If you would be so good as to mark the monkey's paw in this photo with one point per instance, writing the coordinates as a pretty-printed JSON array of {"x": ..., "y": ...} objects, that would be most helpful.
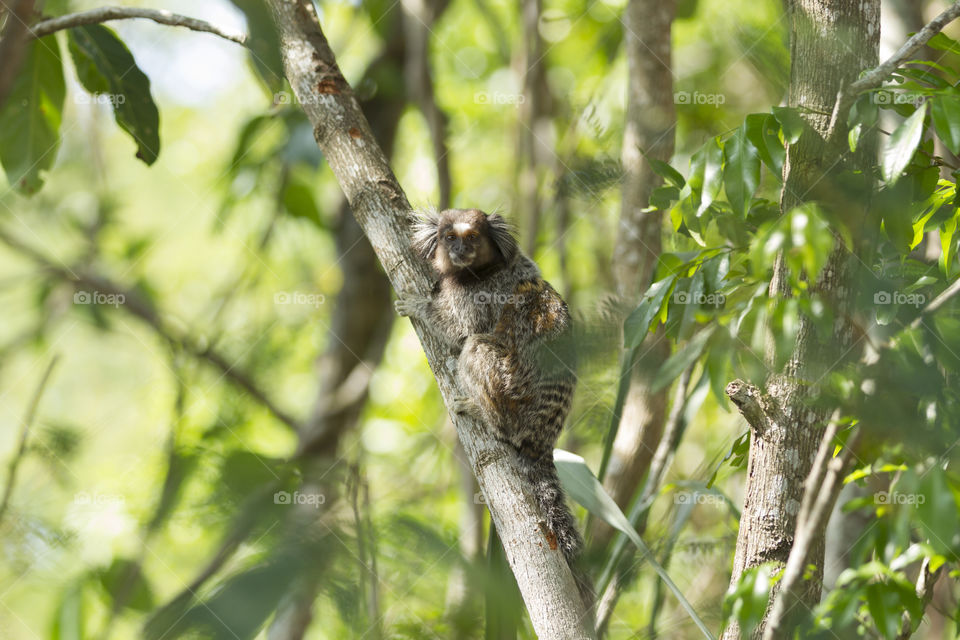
[
  {"x": 463, "y": 405},
  {"x": 410, "y": 304}
]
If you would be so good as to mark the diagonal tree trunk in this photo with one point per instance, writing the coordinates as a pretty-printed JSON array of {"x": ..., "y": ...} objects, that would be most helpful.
[
  {"x": 382, "y": 209},
  {"x": 831, "y": 43}
]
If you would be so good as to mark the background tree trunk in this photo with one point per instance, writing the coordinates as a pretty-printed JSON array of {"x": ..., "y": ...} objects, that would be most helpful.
[
  {"x": 649, "y": 129},
  {"x": 830, "y": 45}
]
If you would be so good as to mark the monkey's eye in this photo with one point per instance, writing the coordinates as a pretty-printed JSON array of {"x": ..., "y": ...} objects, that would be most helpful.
[
  {"x": 451, "y": 237},
  {"x": 473, "y": 235}
]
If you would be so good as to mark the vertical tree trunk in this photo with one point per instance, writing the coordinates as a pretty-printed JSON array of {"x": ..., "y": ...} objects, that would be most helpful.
[
  {"x": 831, "y": 43},
  {"x": 649, "y": 129},
  {"x": 534, "y": 123}
]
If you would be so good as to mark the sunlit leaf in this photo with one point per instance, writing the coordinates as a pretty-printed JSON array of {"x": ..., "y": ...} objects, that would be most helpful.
[
  {"x": 741, "y": 172},
  {"x": 30, "y": 117},
  {"x": 945, "y": 111},
  {"x": 638, "y": 322},
  {"x": 581, "y": 485},
  {"x": 791, "y": 123},
  {"x": 69, "y": 618},
  {"x": 706, "y": 174},
  {"x": 901, "y": 145}
]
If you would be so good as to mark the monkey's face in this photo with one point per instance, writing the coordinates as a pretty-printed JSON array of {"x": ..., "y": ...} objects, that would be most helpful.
[
  {"x": 462, "y": 243},
  {"x": 464, "y": 240}
]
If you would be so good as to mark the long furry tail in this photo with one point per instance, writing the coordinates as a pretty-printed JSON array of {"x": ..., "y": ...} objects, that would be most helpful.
[
  {"x": 553, "y": 504},
  {"x": 560, "y": 520}
]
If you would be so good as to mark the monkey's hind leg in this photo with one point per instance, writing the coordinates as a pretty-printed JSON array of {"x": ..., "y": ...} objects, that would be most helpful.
[{"x": 486, "y": 367}]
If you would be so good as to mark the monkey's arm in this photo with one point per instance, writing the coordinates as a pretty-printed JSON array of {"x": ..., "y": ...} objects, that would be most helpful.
[
  {"x": 413, "y": 306},
  {"x": 425, "y": 308}
]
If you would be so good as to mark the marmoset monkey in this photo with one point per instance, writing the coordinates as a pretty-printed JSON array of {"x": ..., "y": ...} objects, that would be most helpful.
[{"x": 503, "y": 320}]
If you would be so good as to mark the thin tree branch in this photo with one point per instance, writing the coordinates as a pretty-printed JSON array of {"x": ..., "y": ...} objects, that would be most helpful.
[
  {"x": 24, "y": 431},
  {"x": 381, "y": 208},
  {"x": 106, "y": 14},
  {"x": 926, "y": 580},
  {"x": 937, "y": 302},
  {"x": 137, "y": 306},
  {"x": 875, "y": 77}
]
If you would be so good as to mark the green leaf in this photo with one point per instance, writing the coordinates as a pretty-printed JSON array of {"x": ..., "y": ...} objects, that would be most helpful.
[
  {"x": 946, "y": 242},
  {"x": 683, "y": 358},
  {"x": 942, "y": 42},
  {"x": 864, "y": 111},
  {"x": 581, "y": 485},
  {"x": 901, "y": 145},
  {"x": 638, "y": 322},
  {"x": 666, "y": 172},
  {"x": 242, "y": 603},
  {"x": 937, "y": 512},
  {"x": 68, "y": 623},
  {"x": 263, "y": 43},
  {"x": 791, "y": 123},
  {"x": 945, "y": 110},
  {"x": 747, "y": 600},
  {"x": 30, "y": 118},
  {"x": 741, "y": 174},
  {"x": 853, "y": 136},
  {"x": 299, "y": 202},
  {"x": 898, "y": 228},
  {"x": 762, "y": 130},
  {"x": 706, "y": 174},
  {"x": 125, "y": 583},
  {"x": 105, "y": 65},
  {"x": 663, "y": 197},
  {"x": 249, "y": 134},
  {"x": 692, "y": 303}
]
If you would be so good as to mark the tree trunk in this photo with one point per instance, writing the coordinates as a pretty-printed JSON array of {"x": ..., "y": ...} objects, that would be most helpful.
[
  {"x": 533, "y": 129},
  {"x": 649, "y": 129},
  {"x": 831, "y": 43},
  {"x": 382, "y": 209}
]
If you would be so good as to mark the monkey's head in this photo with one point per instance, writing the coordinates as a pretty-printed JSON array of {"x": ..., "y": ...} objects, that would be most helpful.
[{"x": 464, "y": 240}]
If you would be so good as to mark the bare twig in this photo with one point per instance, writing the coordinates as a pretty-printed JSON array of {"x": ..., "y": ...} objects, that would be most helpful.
[
  {"x": 106, "y": 14},
  {"x": 925, "y": 583},
  {"x": 937, "y": 302},
  {"x": 875, "y": 77},
  {"x": 24, "y": 431}
]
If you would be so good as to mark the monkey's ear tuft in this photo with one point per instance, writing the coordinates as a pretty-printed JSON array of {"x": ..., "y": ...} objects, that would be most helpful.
[
  {"x": 502, "y": 235},
  {"x": 424, "y": 236}
]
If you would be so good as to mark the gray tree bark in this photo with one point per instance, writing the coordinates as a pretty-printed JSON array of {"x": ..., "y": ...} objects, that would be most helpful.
[
  {"x": 649, "y": 128},
  {"x": 382, "y": 210},
  {"x": 831, "y": 43}
]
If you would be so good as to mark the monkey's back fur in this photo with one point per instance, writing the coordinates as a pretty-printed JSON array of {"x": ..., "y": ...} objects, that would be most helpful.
[{"x": 509, "y": 330}]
